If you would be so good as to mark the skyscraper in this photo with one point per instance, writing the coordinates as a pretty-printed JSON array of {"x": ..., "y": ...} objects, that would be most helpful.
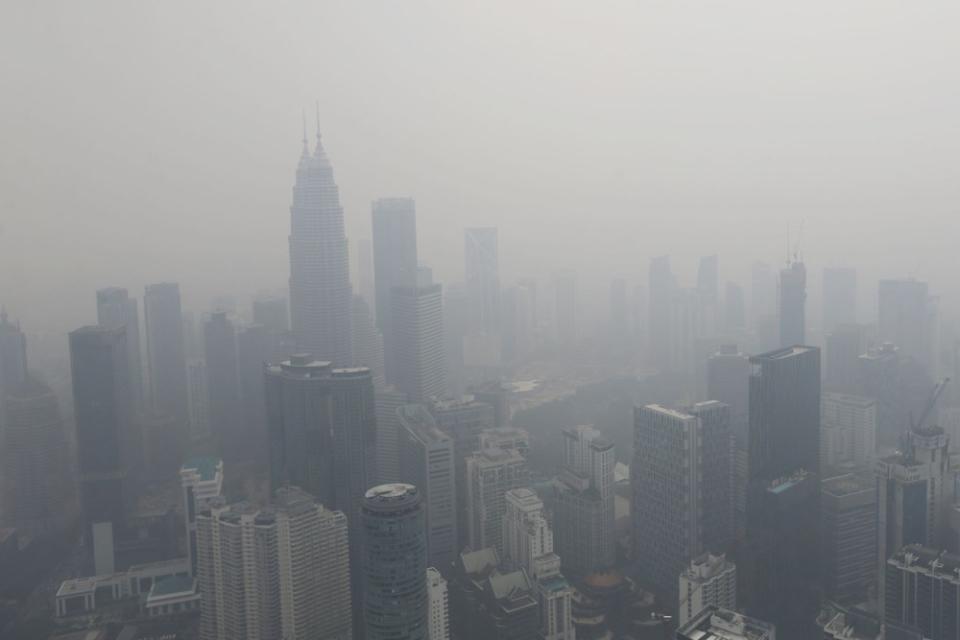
[
  {"x": 922, "y": 587},
  {"x": 427, "y": 461},
  {"x": 845, "y": 343},
  {"x": 394, "y": 226},
  {"x": 320, "y": 423},
  {"x": 839, "y": 297},
  {"x": 681, "y": 490},
  {"x": 483, "y": 279},
  {"x": 254, "y": 350},
  {"x": 223, "y": 381},
  {"x": 320, "y": 291},
  {"x": 584, "y": 502},
  {"x": 907, "y": 318},
  {"x": 13, "y": 356},
  {"x": 849, "y": 504},
  {"x": 848, "y": 430},
  {"x": 565, "y": 285},
  {"x": 734, "y": 309},
  {"x": 201, "y": 480},
  {"x": 116, "y": 309},
  {"x": 34, "y": 483},
  {"x": 490, "y": 473},
  {"x": 395, "y": 600},
  {"x": 793, "y": 299},
  {"x": 103, "y": 412},
  {"x": 273, "y": 574},
  {"x": 367, "y": 342},
  {"x": 270, "y": 311},
  {"x": 914, "y": 490},
  {"x": 783, "y": 506},
  {"x": 166, "y": 361},
  {"x": 417, "y": 327},
  {"x": 728, "y": 381}
]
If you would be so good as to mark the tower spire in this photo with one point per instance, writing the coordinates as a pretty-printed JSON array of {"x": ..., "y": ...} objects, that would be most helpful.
[{"x": 303, "y": 114}]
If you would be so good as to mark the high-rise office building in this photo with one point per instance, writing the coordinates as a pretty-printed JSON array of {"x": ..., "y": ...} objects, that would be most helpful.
[
  {"x": 708, "y": 580},
  {"x": 714, "y": 623},
  {"x": 506, "y": 438},
  {"x": 923, "y": 590},
  {"x": 254, "y": 351},
  {"x": 528, "y": 545},
  {"x": 439, "y": 615},
  {"x": 386, "y": 402},
  {"x": 320, "y": 291},
  {"x": 395, "y": 599},
  {"x": 914, "y": 490},
  {"x": 682, "y": 501},
  {"x": 13, "y": 356},
  {"x": 198, "y": 401},
  {"x": 275, "y": 573},
  {"x": 907, "y": 318},
  {"x": 845, "y": 343},
  {"x": 320, "y": 423},
  {"x": 490, "y": 473},
  {"x": 223, "y": 381},
  {"x": 463, "y": 418},
  {"x": 519, "y": 323},
  {"x": 728, "y": 381},
  {"x": 34, "y": 483},
  {"x": 367, "y": 342},
  {"x": 201, "y": 480},
  {"x": 734, "y": 309},
  {"x": 848, "y": 430},
  {"x": 427, "y": 462},
  {"x": 784, "y": 489},
  {"x": 482, "y": 279},
  {"x": 793, "y": 300},
  {"x": 661, "y": 291},
  {"x": 166, "y": 359},
  {"x": 394, "y": 226},
  {"x": 839, "y": 297},
  {"x": 106, "y": 441},
  {"x": 417, "y": 325},
  {"x": 849, "y": 507},
  {"x": 366, "y": 282},
  {"x": 116, "y": 309},
  {"x": 584, "y": 502}
]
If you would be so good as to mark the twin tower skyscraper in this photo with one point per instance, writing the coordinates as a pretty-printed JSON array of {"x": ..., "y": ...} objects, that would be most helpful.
[{"x": 320, "y": 292}]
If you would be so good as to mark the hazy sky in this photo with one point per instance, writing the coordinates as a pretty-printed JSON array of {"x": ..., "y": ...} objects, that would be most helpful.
[{"x": 147, "y": 141}]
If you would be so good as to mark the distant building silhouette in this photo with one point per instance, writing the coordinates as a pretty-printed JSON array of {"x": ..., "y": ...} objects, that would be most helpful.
[
  {"x": 839, "y": 298},
  {"x": 793, "y": 300},
  {"x": 116, "y": 309},
  {"x": 166, "y": 358}
]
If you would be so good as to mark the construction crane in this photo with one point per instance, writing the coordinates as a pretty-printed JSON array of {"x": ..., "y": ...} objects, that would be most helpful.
[{"x": 937, "y": 391}]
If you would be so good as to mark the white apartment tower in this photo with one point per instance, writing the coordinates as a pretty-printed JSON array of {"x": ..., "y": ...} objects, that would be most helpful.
[
  {"x": 273, "y": 574},
  {"x": 490, "y": 474},
  {"x": 439, "y": 615},
  {"x": 709, "y": 580}
]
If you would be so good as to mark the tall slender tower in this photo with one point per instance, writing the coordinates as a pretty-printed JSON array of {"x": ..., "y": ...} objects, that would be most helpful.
[
  {"x": 166, "y": 359},
  {"x": 320, "y": 294},
  {"x": 115, "y": 308}
]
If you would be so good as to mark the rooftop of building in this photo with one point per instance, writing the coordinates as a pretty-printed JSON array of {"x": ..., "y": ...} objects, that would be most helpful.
[
  {"x": 206, "y": 466},
  {"x": 850, "y": 399},
  {"x": 305, "y": 366},
  {"x": 714, "y": 623},
  {"x": 782, "y": 354},
  {"x": 667, "y": 411},
  {"x": 509, "y": 585},
  {"x": 479, "y": 562},
  {"x": 786, "y": 482},
  {"x": 387, "y": 497},
  {"x": 172, "y": 585},
  {"x": 491, "y": 456},
  {"x": 934, "y": 561},
  {"x": 418, "y": 419},
  {"x": 849, "y": 484}
]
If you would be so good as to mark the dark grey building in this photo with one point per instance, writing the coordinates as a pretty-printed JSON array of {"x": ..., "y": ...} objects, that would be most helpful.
[
  {"x": 395, "y": 603},
  {"x": 103, "y": 411},
  {"x": 320, "y": 290},
  {"x": 784, "y": 490},
  {"x": 394, "y": 228},
  {"x": 728, "y": 381},
  {"x": 115, "y": 308},
  {"x": 166, "y": 361},
  {"x": 793, "y": 300},
  {"x": 845, "y": 343},
  {"x": 849, "y": 508},
  {"x": 254, "y": 350},
  {"x": 13, "y": 356},
  {"x": 839, "y": 298},
  {"x": 223, "y": 382},
  {"x": 320, "y": 423},
  {"x": 923, "y": 590},
  {"x": 714, "y": 623}
]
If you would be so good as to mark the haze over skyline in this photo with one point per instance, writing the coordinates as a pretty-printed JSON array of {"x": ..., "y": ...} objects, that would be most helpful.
[{"x": 157, "y": 142}]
